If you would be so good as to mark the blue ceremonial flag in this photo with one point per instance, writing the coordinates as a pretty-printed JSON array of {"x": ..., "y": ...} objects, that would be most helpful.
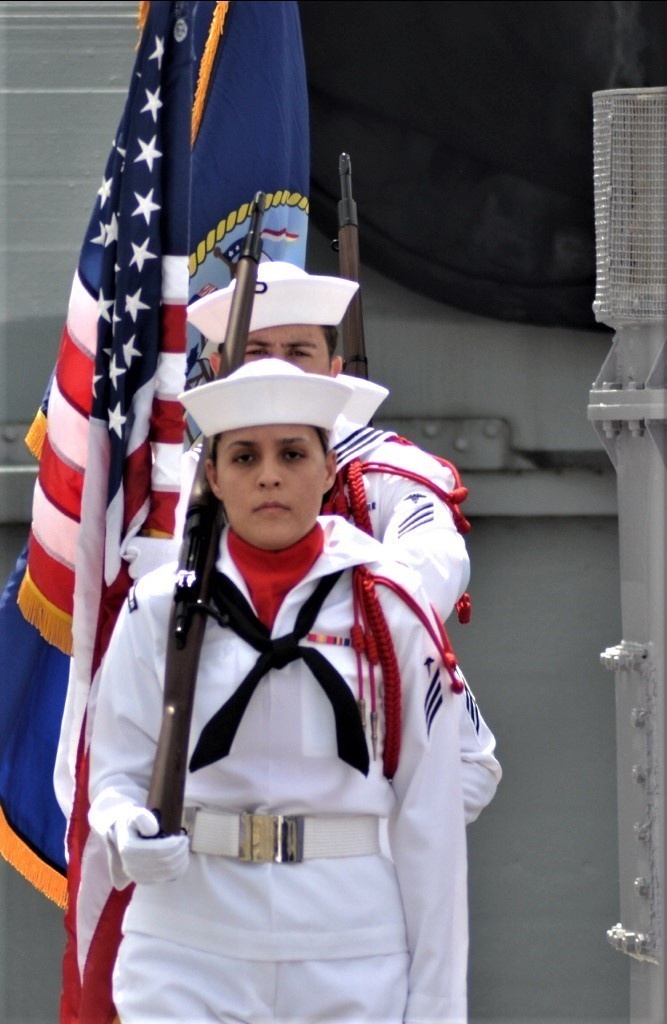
[
  {"x": 251, "y": 133},
  {"x": 32, "y": 826}
]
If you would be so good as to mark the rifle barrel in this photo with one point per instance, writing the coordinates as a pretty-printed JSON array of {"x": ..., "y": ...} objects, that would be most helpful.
[{"x": 355, "y": 362}]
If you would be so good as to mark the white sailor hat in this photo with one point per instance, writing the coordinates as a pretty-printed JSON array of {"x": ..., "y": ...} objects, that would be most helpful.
[
  {"x": 285, "y": 294},
  {"x": 266, "y": 392},
  {"x": 366, "y": 398}
]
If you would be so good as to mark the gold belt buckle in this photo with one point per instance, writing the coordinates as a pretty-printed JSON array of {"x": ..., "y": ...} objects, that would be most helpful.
[{"x": 264, "y": 838}]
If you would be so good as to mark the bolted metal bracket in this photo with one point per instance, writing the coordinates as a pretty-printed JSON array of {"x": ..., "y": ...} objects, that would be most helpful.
[
  {"x": 481, "y": 443},
  {"x": 624, "y": 656},
  {"x": 635, "y": 944},
  {"x": 640, "y": 786}
]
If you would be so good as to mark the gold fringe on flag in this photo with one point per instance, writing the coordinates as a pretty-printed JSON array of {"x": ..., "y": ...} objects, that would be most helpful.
[
  {"x": 142, "y": 15},
  {"x": 36, "y": 435},
  {"x": 18, "y": 854},
  {"x": 53, "y": 624},
  {"x": 206, "y": 66}
]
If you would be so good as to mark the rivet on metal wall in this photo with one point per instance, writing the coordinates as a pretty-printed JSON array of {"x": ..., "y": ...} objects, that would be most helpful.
[
  {"x": 641, "y": 831},
  {"x": 639, "y": 717},
  {"x": 642, "y": 886}
]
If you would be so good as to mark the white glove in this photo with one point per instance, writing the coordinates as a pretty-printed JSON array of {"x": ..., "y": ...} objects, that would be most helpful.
[{"x": 145, "y": 859}]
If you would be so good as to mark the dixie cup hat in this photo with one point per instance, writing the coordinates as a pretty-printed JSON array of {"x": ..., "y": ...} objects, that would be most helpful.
[
  {"x": 264, "y": 393},
  {"x": 366, "y": 398},
  {"x": 285, "y": 294}
]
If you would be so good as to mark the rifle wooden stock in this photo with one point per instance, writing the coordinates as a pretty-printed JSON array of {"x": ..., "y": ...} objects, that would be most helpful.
[
  {"x": 355, "y": 362},
  {"x": 186, "y": 633},
  {"x": 187, "y": 621}
]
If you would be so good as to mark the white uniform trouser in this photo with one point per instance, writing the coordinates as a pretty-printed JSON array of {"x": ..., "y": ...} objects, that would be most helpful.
[{"x": 156, "y": 980}]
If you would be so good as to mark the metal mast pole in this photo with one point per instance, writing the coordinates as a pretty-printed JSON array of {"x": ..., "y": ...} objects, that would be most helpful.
[{"x": 627, "y": 407}]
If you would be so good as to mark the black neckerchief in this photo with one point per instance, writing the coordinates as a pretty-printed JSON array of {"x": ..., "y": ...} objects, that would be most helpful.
[{"x": 218, "y": 734}]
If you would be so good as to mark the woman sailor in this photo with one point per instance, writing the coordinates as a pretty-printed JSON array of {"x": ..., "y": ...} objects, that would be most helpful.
[{"x": 322, "y": 710}]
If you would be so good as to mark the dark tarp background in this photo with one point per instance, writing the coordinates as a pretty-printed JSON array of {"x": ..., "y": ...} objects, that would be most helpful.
[{"x": 470, "y": 131}]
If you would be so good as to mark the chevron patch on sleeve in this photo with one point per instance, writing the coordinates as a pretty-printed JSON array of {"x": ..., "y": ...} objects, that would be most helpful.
[
  {"x": 471, "y": 707},
  {"x": 433, "y": 699},
  {"x": 422, "y": 514}
]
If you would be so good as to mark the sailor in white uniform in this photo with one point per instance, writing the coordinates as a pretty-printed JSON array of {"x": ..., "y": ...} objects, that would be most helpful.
[
  {"x": 406, "y": 492},
  {"x": 323, "y": 707}
]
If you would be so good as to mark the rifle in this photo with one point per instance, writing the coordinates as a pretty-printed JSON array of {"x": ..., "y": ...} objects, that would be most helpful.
[
  {"x": 203, "y": 523},
  {"x": 355, "y": 362}
]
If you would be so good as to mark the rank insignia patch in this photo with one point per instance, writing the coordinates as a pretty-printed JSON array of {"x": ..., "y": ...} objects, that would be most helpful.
[{"x": 433, "y": 699}]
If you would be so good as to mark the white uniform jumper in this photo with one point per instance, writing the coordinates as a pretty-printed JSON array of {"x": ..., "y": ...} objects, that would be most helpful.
[
  {"x": 416, "y": 526},
  {"x": 407, "y": 515},
  {"x": 336, "y": 910}
]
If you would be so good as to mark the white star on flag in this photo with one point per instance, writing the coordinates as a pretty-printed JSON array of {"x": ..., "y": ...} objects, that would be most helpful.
[
  {"x": 101, "y": 238},
  {"x": 103, "y": 307},
  {"x": 153, "y": 103},
  {"x": 145, "y": 206},
  {"x": 133, "y": 304},
  {"x": 111, "y": 231},
  {"x": 141, "y": 254},
  {"x": 104, "y": 191},
  {"x": 158, "y": 52},
  {"x": 148, "y": 152},
  {"x": 117, "y": 420},
  {"x": 115, "y": 371},
  {"x": 129, "y": 351}
]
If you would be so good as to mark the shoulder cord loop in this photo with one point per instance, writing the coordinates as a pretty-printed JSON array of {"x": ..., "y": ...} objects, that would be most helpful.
[
  {"x": 437, "y": 632},
  {"x": 348, "y": 499},
  {"x": 370, "y": 634},
  {"x": 373, "y": 637}
]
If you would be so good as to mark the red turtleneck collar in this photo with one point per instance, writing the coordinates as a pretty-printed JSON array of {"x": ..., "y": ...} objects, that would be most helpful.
[{"x": 270, "y": 575}]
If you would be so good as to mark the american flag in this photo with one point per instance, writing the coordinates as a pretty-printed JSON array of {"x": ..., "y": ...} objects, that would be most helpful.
[{"x": 127, "y": 314}]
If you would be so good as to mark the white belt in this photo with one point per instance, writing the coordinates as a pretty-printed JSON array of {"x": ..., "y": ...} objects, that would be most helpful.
[{"x": 282, "y": 838}]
